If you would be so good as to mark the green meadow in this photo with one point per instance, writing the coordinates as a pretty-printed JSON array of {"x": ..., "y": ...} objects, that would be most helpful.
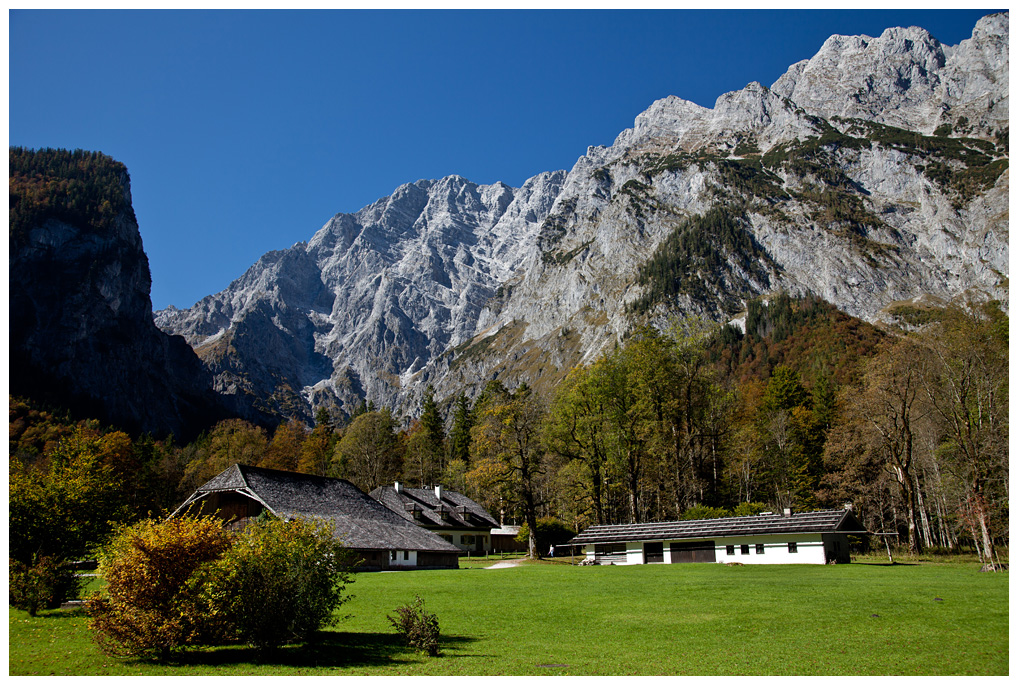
[{"x": 558, "y": 619}]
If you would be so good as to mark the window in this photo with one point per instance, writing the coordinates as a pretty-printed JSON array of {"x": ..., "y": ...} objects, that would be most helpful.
[
  {"x": 760, "y": 549},
  {"x": 730, "y": 550},
  {"x": 392, "y": 555},
  {"x": 744, "y": 549},
  {"x": 447, "y": 537},
  {"x": 406, "y": 554},
  {"x": 610, "y": 552},
  {"x": 792, "y": 546},
  {"x": 467, "y": 540}
]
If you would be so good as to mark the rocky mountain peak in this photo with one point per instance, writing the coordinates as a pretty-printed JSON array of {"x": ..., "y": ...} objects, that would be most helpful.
[
  {"x": 804, "y": 187},
  {"x": 904, "y": 77}
]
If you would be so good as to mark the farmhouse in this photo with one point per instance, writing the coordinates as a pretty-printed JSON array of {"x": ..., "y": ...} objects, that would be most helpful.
[
  {"x": 787, "y": 538},
  {"x": 380, "y": 537},
  {"x": 453, "y": 516}
]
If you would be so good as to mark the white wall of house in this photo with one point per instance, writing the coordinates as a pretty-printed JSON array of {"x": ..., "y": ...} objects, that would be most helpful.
[
  {"x": 403, "y": 558},
  {"x": 809, "y": 549}
]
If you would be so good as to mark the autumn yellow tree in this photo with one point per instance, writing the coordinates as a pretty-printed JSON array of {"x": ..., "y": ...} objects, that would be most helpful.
[{"x": 508, "y": 452}]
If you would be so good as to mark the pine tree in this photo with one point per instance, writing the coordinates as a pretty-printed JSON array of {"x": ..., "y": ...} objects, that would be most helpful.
[
  {"x": 460, "y": 435},
  {"x": 435, "y": 435}
]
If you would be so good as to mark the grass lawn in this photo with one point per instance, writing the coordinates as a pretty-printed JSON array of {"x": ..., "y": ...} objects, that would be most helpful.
[{"x": 556, "y": 619}]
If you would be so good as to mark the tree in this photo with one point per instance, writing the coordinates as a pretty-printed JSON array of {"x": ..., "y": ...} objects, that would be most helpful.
[
  {"x": 891, "y": 410},
  {"x": 551, "y": 532},
  {"x": 231, "y": 441},
  {"x": 460, "y": 435},
  {"x": 791, "y": 442},
  {"x": 577, "y": 427},
  {"x": 967, "y": 387},
  {"x": 316, "y": 451},
  {"x": 367, "y": 454},
  {"x": 700, "y": 413},
  {"x": 418, "y": 465},
  {"x": 435, "y": 436},
  {"x": 63, "y": 507},
  {"x": 508, "y": 452},
  {"x": 284, "y": 450}
]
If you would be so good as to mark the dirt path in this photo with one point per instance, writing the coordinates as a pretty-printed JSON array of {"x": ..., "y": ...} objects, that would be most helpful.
[{"x": 506, "y": 565}]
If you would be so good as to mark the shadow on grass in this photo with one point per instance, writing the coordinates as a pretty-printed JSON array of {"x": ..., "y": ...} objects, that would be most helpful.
[{"x": 325, "y": 649}]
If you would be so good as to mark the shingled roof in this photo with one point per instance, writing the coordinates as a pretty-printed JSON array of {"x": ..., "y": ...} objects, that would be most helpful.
[
  {"x": 826, "y": 521},
  {"x": 358, "y": 520},
  {"x": 461, "y": 512}
]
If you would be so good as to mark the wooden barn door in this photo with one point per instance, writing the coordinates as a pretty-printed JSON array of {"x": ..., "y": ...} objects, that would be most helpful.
[
  {"x": 697, "y": 551},
  {"x": 653, "y": 552}
]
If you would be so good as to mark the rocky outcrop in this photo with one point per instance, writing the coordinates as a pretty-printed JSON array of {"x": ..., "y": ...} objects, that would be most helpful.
[
  {"x": 82, "y": 335},
  {"x": 874, "y": 172},
  {"x": 906, "y": 78},
  {"x": 371, "y": 299}
]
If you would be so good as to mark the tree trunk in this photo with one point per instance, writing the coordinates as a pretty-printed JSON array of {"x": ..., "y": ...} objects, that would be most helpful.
[
  {"x": 985, "y": 534},
  {"x": 596, "y": 488}
]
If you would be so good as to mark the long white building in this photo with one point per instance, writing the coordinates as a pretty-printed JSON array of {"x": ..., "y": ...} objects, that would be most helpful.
[{"x": 787, "y": 538}]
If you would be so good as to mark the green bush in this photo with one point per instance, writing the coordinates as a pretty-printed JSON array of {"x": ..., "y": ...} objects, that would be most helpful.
[
  {"x": 749, "y": 509},
  {"x": 186, "y": 582},
  {"x": 280, "y": 581},
  {"x": 44, "y": 585},
  {"x": 550, "y": 532},
  {"x": 154, "y": 575},
  {"x": 705, "y": 512},
  {"x": 419, "y": 628}
]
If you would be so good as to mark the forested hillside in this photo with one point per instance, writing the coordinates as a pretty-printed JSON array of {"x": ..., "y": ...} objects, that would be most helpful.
[{"x": 808, "y": 409}]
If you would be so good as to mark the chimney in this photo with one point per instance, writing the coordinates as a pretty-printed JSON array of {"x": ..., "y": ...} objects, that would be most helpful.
[
  {"x": 438, "y": 493},
  {"x": 787, "y": 512},
  {"x": 397, "y": 486}
]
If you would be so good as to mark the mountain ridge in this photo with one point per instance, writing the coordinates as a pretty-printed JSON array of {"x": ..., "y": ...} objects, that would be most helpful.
[{"x": 451, "y": 283}]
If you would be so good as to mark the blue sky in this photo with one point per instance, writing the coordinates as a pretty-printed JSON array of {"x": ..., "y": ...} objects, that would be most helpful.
[{"x": 245, "y": 131}]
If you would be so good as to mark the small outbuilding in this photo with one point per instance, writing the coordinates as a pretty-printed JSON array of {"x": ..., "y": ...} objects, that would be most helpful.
[
  {"x": 379, "y": 536},
  {"x": 451, "y": 515},
  {"x": 504, "y": 540},
  {"x": 787, "y": 538}
]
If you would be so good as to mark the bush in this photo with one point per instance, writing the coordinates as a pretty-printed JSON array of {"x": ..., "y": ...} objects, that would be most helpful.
[
  {"x": 749, "y": 509},
  {"x": 550, "y": 532},
  {"x": 704, "y": 512},
  {"x": 153, "y": 602},
  {"x": 187, "y": 581},
  {"x": 46, "y": 584},
  {"x": 419, "y": 628},
  {"x": 280, "y": 581}
]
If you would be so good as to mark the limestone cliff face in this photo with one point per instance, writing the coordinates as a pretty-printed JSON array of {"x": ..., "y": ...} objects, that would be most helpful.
[
  {"x": 82, "y": 335},
  {"x": 874, "y": 172},
  {"x": 363, "y": 307},
  {"x": 906, "y": 78}
]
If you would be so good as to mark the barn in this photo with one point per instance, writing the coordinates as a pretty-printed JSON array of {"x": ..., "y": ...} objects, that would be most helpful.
[
  {"x": 451, "y": 515},
  {"x": 801, "y": 538},
  {"x": 380, "y": 537}
]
